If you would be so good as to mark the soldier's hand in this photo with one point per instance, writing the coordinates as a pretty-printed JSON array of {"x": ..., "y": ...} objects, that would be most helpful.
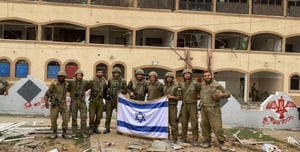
[
  {"x": 5, "y": 93},
  {"x": 53, "y": 82},
  {"x": 131, "y": 94},
  {"x": 47, "y": 105}
]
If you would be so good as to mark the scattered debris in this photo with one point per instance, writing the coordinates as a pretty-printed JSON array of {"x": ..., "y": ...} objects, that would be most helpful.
[
  {"x": 270, "y": 148},
  {"x": 90, "y": 148},
  {"x": 293, "y": 141},
  {"x": 137, "y": 144},
  {"x": 29, "y": 145},
  {"x": 158, "y": 145},
  {"x": 247, "y": 142}
]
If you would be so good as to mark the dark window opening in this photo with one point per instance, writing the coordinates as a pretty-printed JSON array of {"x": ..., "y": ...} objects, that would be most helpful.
[
  {"x": 52, "y": 69},
  {"x": 18, "y": 30},
  {"x": 295, "y": 82},
  {"x": 21, "y": 69},
  {"x": 4, "y": 68},
  {"x": 111, "y": 35}
]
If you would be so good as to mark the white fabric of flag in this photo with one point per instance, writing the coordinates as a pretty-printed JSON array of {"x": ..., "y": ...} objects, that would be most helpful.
[{"x": 146, "y": 119}]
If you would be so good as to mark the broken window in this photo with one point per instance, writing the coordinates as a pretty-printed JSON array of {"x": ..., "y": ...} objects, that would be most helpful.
[
  {"x": 292, "y": 44},
  {"x": 123, "y": 3},
  {"x": 63, "y": 32},
  {"x": 267, "y": 7},
  {"x": 266, "y": 42},
  {"x": 294, "y": 82},
  {"x": 194, "y": 39},
  {"x": 71, "y": 68},
  {"x": 158, "y": 4},
  {"x": 231, "y": 40},
  {"x": 104, "y": 68},
  {"x": 122, "y": 69},
  {"x": 233, "y": 6},
  {"x": 197, "y": 5},
  {"x": 154, "y": 37},
  {"x": 293, "y": 8},
  {"x": 21, "y": 69},
  {"x": 110, "y": 35},
  {"x": 4, "y": 68},
  {"x": 52, "y": 69},
  {"x": 68, "y": 1},
  {"x": 14, "y": 29}
]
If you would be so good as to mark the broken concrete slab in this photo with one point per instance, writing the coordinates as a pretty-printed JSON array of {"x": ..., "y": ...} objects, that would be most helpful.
[{"x": 158, "y": 146}]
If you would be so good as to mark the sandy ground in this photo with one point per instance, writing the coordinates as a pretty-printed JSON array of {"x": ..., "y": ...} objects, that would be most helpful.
[{"x": 114, "y": 142}]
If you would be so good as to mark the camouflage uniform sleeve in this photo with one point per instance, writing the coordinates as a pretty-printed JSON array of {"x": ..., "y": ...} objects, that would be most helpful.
[
  {"x": 222, "y": 89},
  {"x": 130, "y": 87},
  {"x": 124, "y": 87},
  {"x": 48, "y": 93}
]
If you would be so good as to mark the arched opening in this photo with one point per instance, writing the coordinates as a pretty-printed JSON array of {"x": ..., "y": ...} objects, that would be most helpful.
[
  {"x": 71, "y": 68},
  {"x": 18, "y": 30},
  {"x": 194, "y": 39},
  {"x": 52, "y": 69},
  {"x": 104, "y": 68},
  {"x": 266, "y": 42},
  {"x": 154, "y": 37},
  {"x": 294, "y": 82},
  {"x": 121, "y": 66},
  {"x": 292, "y": 44},
  {"x": 21, "y": 69},
  {"x": 231, "y": 40},
  {"x": 4, "y": 68}
]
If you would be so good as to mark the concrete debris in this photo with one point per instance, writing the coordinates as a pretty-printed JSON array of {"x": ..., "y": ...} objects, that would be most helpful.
[
  {"x": 293, "y": 141},
  {"x": 270, "y": 148},
  {"x": 158, "y": 145},
  {"x": 54, "y": 150},
  {"x": 177, "y": 147},
  {"x": 28, "y": 145},
  {"x": 88, "y": 149},
  {"x": 16, "y": 139},
  {"x": 137, "y": 145}
]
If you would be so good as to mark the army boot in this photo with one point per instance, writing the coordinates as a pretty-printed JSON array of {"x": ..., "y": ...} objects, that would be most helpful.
[
  {"x": 195, "y": 143},
  {"x": 91, "y": 131},
  {"x": 106, "y": 131},
  {"x": 54, "y": 134},
  {"x": 222, "y": 146},
  {"x": 96, "y": 130},
  {"x": 64, "y": 134},
  {"x": 206, "y": 145}
]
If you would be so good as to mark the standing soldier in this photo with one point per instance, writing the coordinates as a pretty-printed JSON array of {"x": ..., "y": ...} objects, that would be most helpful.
[
  {"x": 3, "y": 87},
  {"x": 155, "y": 88},
  {"x": 190, "y": 90},
  {"x": 137, "y": 87},
  {"x": 211, "y": 94},
  {"x": 171, "y": 90},
  {"x": 57, "y": 95},
  {"x": 78, "y": 88},
  {"x": 96, "y": 101},
  {"x": 115, "y": 86}
]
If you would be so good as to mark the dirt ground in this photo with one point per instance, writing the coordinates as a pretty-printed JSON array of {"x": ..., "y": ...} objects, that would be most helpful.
[{"x": 115, "y": 142}]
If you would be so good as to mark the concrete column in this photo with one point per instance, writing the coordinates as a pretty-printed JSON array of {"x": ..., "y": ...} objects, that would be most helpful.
[
  {"x": 87, "y": 35},
  {"x": 250, "y": 6},
  {"x": 135, "y": 3},
  {"x": 39, "y": 33},
  {"x": 247, "y": 87},
  {"x": 285, "y": 5},
  {"x": 175, "y": 40},
  {"x": 283, "y": 43},
  {"x": 213, "y": 39},
  {"x": 88, "y": 2},
  {"x": 176, "y": 7},
  {"x": 133, "y": 38},
  {"x": 214, "y": 5}
]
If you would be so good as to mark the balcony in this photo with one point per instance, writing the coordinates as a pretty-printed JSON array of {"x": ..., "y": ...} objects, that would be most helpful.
[
  {"x": 233, "y": 7},
  {"x": 267, "y": 7},
  {"x": 122, "y": 3}
]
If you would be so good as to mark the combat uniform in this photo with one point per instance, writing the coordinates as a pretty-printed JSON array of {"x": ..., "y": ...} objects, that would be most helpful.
[
  {"x": 3, "y": 86},
  {"x": 211, "y": 119},
  {"x": 138, "y": 88},
  {"x": 173, "y": 90},
  {"x": 114, "y": 87},
  {"x": 78, "y": 89},
  {"x": 97, "y": 87},
  {"x": 155, "y": 90},
  {"x": 57, "y": 94},
  {"x": 190, "y": 90}
]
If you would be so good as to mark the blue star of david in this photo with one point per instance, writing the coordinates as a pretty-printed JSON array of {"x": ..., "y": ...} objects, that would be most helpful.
[{"x": 140, "y": 117}]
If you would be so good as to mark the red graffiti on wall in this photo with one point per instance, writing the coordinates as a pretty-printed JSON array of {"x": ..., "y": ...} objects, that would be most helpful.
[
  {"x": 280, "y": 107},
  {"x": 36, "y": 104}
]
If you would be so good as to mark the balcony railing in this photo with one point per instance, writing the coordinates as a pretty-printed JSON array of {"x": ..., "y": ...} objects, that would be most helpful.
[
  {"x": 264, "y": 9},
  {"x": 122, "y": 3},
  {"x": 239, "y": 8},
  {"x": 157, "y": 4},
  {"x": 68, "y": 1}
]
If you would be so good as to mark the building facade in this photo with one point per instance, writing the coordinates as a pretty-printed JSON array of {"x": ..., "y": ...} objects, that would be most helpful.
[{"x": 242, "y": 41}]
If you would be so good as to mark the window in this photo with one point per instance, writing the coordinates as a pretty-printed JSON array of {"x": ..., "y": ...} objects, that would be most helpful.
[
  {"x": 71, "y": 68},
  {"x": 21, "y": 69},
  {"x": 52, "y": 69},
  {"x": 294, "y": 82},
  {"x": 268, "y": 2},
  {"x": 4, "y": 68}
]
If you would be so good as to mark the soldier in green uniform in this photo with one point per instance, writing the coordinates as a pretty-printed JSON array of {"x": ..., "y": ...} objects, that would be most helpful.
[
  {"x": 57, "y": 95},
  {"x": 171, "y": 90},
  {"x": 3, "y": 87},
  {"x": 78, "y": 88},
  {"x": 137, "y": 87},
  {"x": 155, "y": 88},
  {"x": 97, "y": 87},
  {"x": 115, "y": 86},
  {"x": 190, "y": 90},
  {"x": 211, "y": 94}
]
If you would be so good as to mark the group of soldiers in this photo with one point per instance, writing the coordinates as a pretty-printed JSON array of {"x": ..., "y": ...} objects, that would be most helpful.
[{"x": 62, "y": 92}]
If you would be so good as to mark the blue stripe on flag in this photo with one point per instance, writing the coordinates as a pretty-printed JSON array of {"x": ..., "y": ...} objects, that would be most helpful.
[
  {"x": 143, "y": 106},
  {"x": 142, "y": 128}
]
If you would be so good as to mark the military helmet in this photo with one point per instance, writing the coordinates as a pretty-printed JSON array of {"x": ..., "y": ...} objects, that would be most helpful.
[
  {"x": 169, "y": 74},
  {"x": 116, "y": 69},
  {"x": 61, "y": 73},
  {"x": 187, "y": 71},
  {"x": 153, "y": 73},
  {"x": 79, "y": 72},
  {"x": 139, "y": 71}
]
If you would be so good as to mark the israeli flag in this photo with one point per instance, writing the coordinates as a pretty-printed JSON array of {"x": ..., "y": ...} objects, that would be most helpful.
[{"x": 146, "y": 119}]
